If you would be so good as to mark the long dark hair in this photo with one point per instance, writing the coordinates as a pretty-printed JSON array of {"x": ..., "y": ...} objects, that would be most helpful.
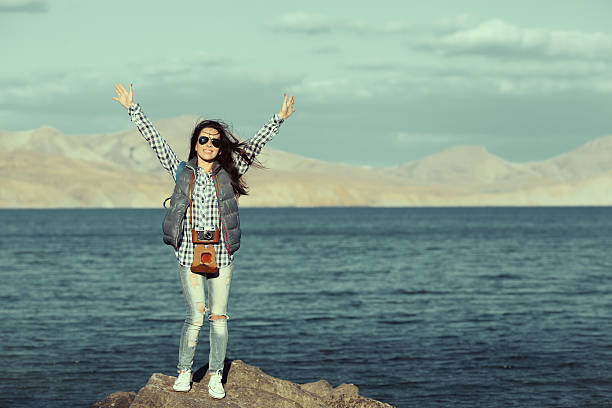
[{"x": 229, "y": 145}]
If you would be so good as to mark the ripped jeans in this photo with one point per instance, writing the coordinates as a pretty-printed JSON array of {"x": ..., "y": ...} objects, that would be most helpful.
[{"x": 218, "y": 294}]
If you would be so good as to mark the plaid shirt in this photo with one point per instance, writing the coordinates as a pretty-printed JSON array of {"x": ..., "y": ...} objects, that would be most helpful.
[{"x": 205, "y": 204}]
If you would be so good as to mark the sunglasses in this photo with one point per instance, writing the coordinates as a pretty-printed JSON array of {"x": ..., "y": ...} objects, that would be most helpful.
[{"x": 215, "y": 142}]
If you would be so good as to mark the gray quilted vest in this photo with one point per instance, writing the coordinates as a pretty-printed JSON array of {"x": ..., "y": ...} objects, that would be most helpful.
[{"x": 174, "y": 220}]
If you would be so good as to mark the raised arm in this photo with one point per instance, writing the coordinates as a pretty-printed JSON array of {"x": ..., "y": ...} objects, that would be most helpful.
[
  {"x": 164, "y": 153},
  {"x": 266, "y": 133}
]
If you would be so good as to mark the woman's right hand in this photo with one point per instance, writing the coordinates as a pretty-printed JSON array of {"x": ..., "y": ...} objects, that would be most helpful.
[{"x": 125, "y": 98}]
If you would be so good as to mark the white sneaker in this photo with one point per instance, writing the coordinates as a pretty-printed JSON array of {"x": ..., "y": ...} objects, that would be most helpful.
[
  {"x": 215, "y": 388},
  {"x": 183, "y": 381}
]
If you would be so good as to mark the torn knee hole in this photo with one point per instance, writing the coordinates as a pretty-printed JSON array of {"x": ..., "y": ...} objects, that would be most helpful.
[{"x": 216, "y": 317}]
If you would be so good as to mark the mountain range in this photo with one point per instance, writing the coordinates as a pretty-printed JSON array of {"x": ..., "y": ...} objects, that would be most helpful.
[{"x": 42, "y": 168}]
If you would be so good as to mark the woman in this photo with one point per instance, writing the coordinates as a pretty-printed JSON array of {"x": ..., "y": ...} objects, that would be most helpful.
[{"x": 204, "y": 200}]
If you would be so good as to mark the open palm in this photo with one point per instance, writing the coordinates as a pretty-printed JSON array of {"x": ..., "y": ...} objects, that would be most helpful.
[
  {"x": 125, "y": 98},
  {"x": 287, "y": 108}
]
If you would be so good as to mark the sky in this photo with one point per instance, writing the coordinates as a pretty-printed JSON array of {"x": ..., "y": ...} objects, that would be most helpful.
[{"x": 376, "y": 83}]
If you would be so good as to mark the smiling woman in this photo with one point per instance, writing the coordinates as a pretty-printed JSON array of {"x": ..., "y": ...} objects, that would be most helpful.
[
  {"x": 212, "y": 141},
  {"x": 203, "y": 226}
]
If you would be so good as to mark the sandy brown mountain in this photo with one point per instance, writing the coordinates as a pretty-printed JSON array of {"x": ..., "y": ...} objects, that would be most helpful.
[{"x": 120, "y": 170}]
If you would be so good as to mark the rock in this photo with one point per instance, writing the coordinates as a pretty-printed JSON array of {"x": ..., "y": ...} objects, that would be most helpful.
[
  {"x": 343, "y": 396},
  {"x": 120, "y": 399},
  {"x": 247, "y": 386},
  {"x": 321, "y": 388}
]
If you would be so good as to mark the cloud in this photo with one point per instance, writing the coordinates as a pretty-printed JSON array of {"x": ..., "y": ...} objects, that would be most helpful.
[
  {"x": 302, "y": 22},
  {"x": 181, "y": 69},
  {"x": 372, "y": 66},
  {"x": 184, "y": 74},
  {"x": 498, "y": 39},
  {"x": 29, "y": 88},
  {"x": 326, "y": 50},
  {"x": 394, "y": 78},
  {"x": 24, "y": 6},
  {"x": 340, "y": 88},
  {"x": 44, "y": 88},
  {"x": 176, "y": 85},
  {"x": 517, "y": 76},
  {"x": 463, "y": 34}
]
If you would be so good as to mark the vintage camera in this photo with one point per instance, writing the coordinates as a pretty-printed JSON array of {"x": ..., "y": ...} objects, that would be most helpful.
[{"x": 204, "y": 236}]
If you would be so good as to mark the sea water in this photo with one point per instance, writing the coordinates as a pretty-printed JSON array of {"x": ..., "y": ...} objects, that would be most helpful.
[{"x": 446, "y": 307}]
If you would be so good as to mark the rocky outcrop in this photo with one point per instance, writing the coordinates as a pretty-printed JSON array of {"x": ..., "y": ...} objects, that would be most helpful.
[
  {"x": 245, "y": 386},
  {"x": 120, "y": 399}
]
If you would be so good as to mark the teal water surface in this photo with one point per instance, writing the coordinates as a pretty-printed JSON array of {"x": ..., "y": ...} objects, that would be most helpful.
[{"x": 447, "y": 307}]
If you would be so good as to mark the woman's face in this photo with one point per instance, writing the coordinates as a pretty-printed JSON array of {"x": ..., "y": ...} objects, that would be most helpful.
[{"x": 207, "y": 151}]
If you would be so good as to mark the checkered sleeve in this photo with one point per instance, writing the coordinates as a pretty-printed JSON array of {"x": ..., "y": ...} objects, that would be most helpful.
[
  {"x": 166, "y": 156},
  {"x": 256, "y": 143}
]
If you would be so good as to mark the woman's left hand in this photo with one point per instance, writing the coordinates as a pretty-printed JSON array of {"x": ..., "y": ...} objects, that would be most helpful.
[{"x": 287, "y": 108}]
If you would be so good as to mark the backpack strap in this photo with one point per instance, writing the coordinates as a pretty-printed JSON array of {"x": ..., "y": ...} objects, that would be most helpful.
[{"x": 180, "y": 168}]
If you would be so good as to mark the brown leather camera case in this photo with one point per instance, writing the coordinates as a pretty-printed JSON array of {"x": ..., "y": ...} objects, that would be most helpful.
[{"x": 204, "y": 259}]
